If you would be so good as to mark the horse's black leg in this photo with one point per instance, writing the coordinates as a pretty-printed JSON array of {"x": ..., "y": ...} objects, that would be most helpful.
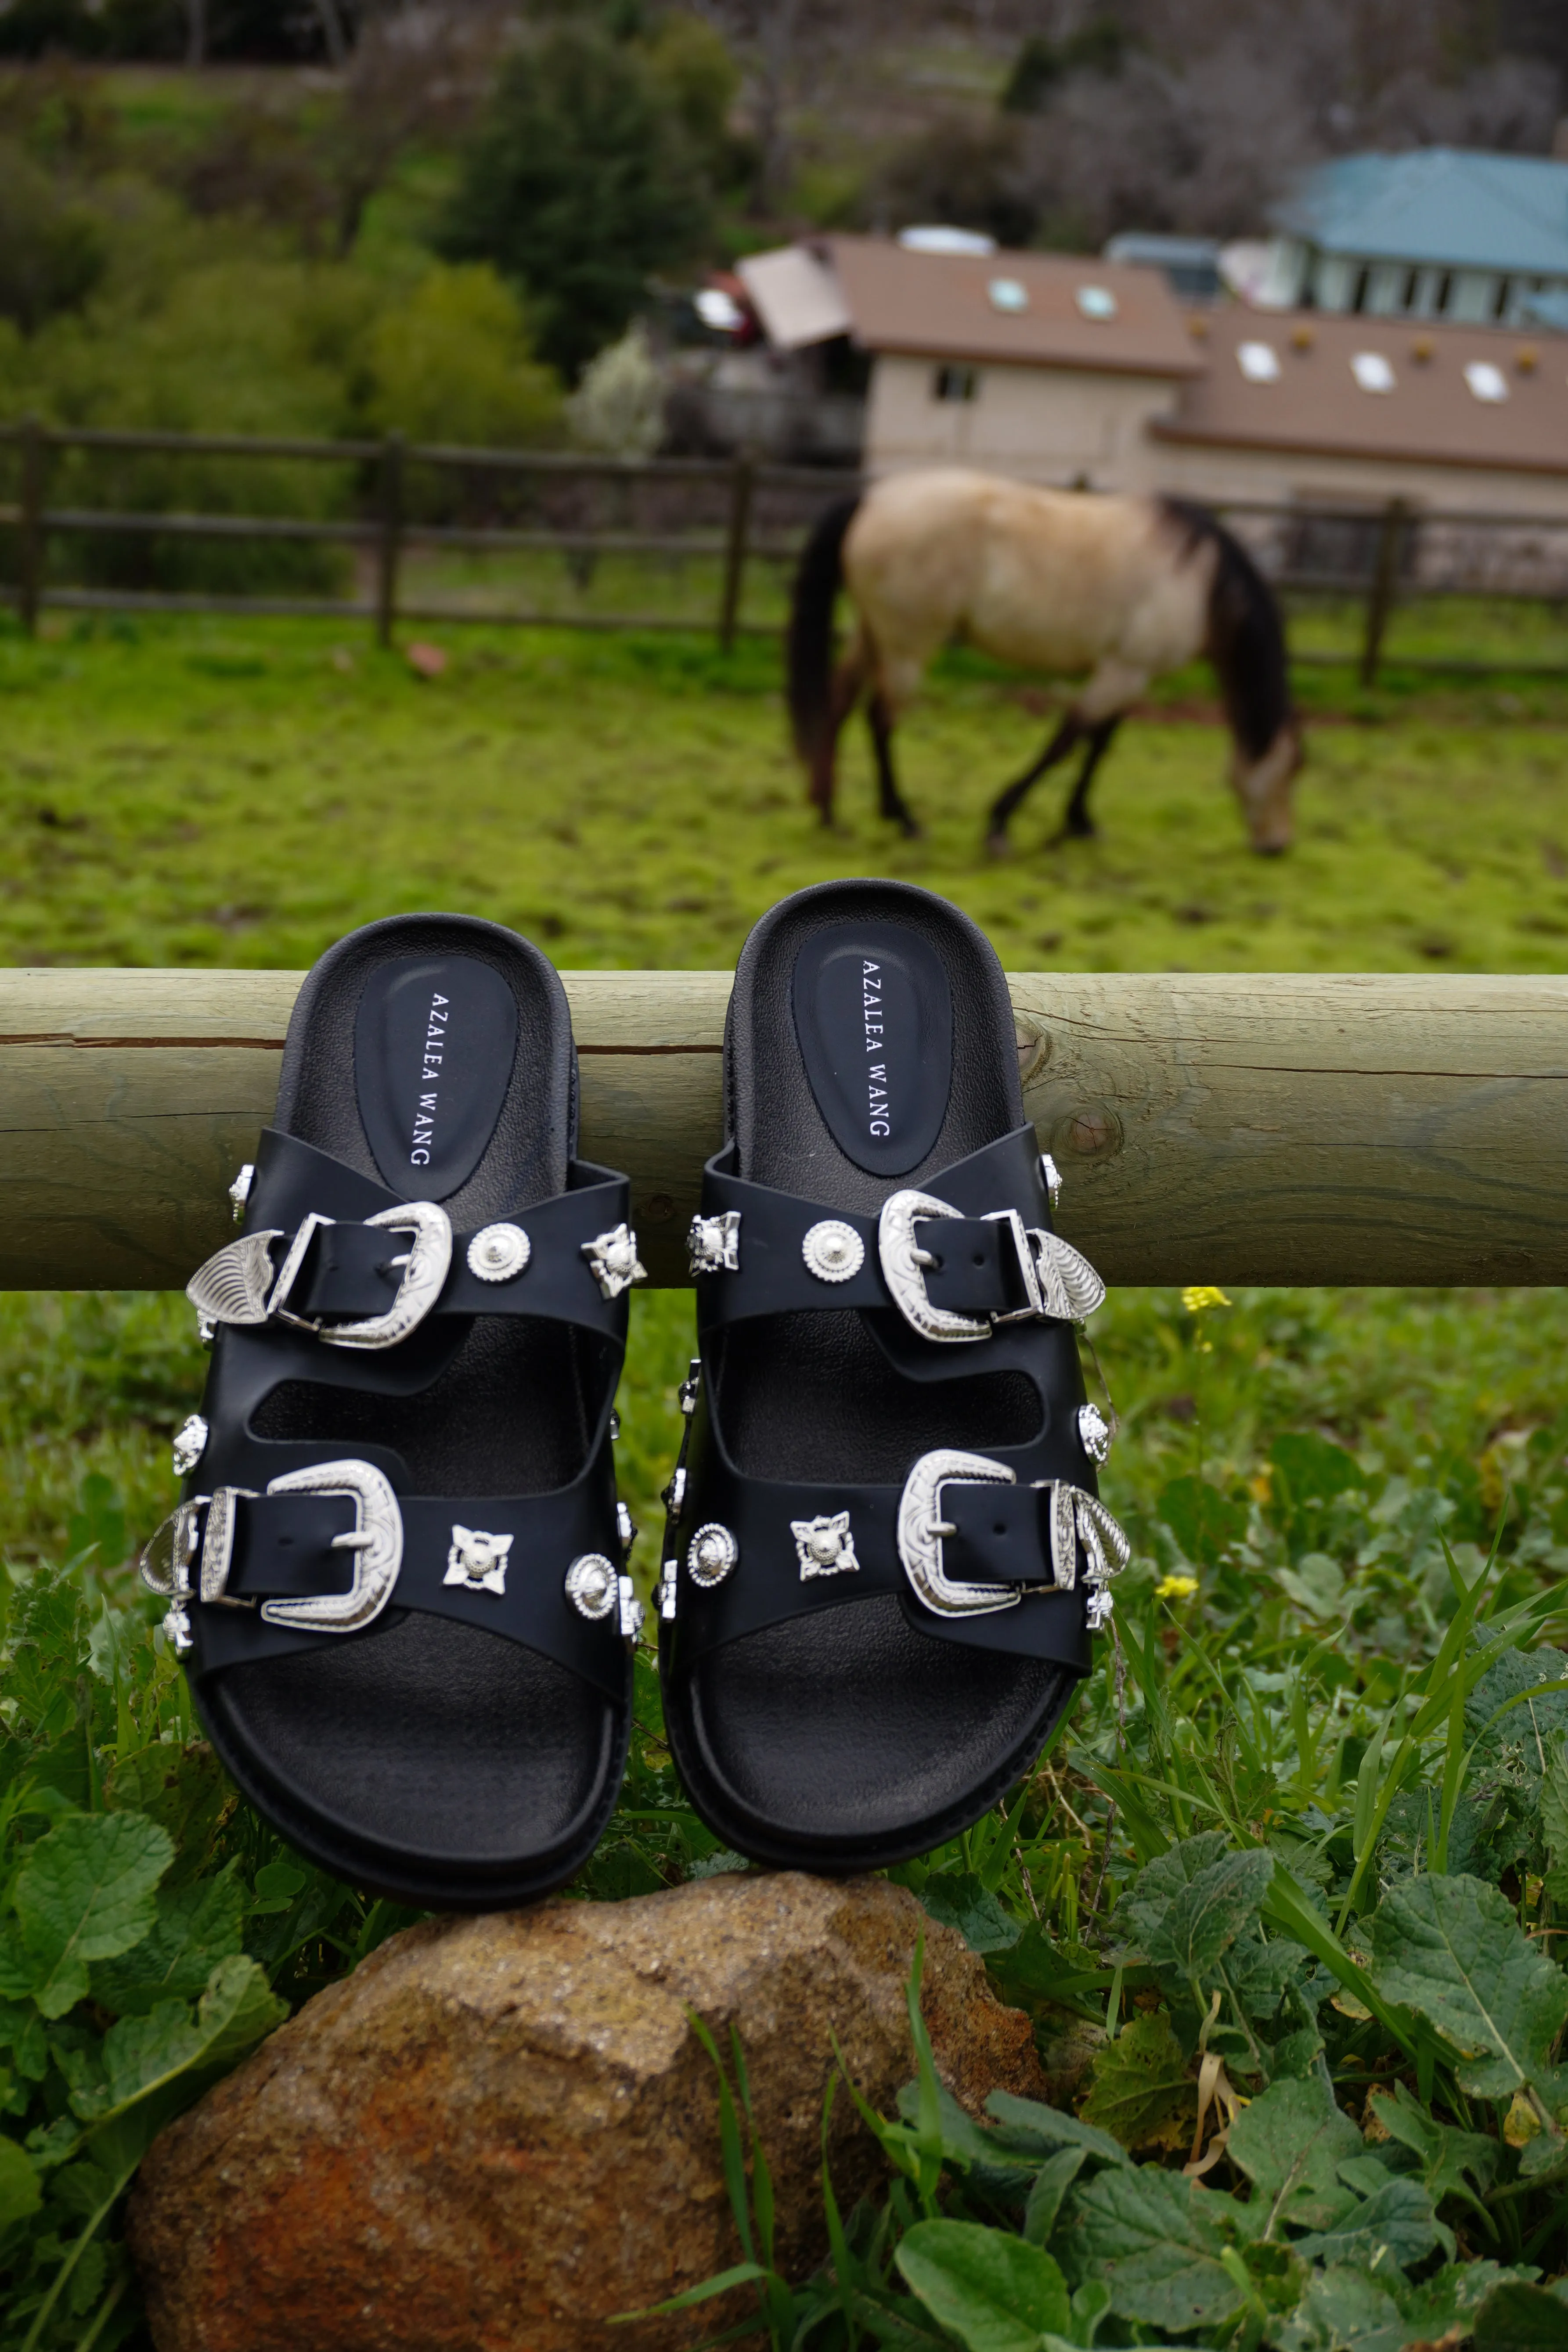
[
  {"x": 894, "y": 807},
  {"x": 1060, "y": 744},
  {"x": 1077, "y": 823}
]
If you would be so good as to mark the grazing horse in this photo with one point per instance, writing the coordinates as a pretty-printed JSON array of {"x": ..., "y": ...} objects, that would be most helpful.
[{"x": 1120, "y": 588}]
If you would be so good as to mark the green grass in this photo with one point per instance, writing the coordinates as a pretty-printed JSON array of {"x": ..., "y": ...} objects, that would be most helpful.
[{"x": 228, "y": 793}]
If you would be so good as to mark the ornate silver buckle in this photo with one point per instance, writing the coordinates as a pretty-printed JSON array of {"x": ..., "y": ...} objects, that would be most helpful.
[
  {"x": 237, "y": 1283},
  {"x": 375, "y": 1539},
  {"x": 922, "y": 1530},
  {"x": 1076, "y": 1516},
  {"x": 905, "y": 1263},
  {"x": 1059, "y": 1281}
]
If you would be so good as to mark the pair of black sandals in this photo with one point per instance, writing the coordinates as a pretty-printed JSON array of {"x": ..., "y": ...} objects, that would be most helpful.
[{"x": 398, "y": 1573}]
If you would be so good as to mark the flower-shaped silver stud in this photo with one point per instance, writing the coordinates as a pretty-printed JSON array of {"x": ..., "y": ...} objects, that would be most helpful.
[
  {"x": 824, "y": 1546},
  {"x": 613, "y": 1261}
]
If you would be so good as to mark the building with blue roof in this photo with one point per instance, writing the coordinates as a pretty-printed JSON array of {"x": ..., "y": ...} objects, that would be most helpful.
[{"x": 1439, "y": 233}]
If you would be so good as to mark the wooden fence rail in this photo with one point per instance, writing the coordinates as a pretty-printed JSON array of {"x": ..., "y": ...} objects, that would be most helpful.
[
  {"x": 1261, "y": 1128},
  {"x": 386, "y": 531}
]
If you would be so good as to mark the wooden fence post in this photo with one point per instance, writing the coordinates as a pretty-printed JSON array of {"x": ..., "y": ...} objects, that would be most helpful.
[
  {"x": 389, "y": 544},
  {"x": 30, "y": 525},
  {"x": 741, "y": 487},
  {"x": 1384, "y": 586}
]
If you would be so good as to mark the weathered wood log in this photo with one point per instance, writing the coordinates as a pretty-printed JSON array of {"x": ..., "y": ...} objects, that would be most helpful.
[{"x": 1250, "y": 1127}]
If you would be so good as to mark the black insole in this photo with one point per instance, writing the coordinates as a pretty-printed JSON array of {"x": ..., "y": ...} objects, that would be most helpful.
[
  {"x": 849, "y": 1728},
  {"x": 428, "y": 1742}
]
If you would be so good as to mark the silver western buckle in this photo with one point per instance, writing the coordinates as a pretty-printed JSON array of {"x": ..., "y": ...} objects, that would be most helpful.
[
  {"x": 375, "y": 1539},
  {"x": 1076, "y": 1516},
  {"x": 1059, "y": 1281},
  {"x": 237, "y": 1283}
]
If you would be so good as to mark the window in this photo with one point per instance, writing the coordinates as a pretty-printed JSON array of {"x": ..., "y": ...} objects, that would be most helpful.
[
  {"x": 955, "y": 383},
  {"x": 1486, "y": 382},
  {"x": 1371, "y": 372},
  {"x": 1258, "y": 362}
]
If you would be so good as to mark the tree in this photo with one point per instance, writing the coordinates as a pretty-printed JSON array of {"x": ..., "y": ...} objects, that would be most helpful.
[{"x": 580, "y": 184}]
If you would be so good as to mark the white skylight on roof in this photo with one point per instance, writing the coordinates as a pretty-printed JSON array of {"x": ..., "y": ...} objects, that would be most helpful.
[
  {"x": 1487, "y": 382},
  {"x": 1097, "y": 301},
  {"x": 1258, "y": 362},
  {"x": 1006, "y": 294},
  {"x": 1371, "y": 372}
]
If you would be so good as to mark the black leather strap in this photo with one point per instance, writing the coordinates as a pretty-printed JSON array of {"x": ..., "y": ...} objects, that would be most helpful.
[
  {"x": 283, "y": 1550},
  {"x": 348, "y": 1272},
  {"x": 976, "y": 1269},
  {"x": 1003, "y": 1538}
]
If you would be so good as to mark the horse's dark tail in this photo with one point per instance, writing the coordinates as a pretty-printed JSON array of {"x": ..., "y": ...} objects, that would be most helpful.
[
  {"x": 1246, "y": 632},
  {"x": 816, "y": 584}
]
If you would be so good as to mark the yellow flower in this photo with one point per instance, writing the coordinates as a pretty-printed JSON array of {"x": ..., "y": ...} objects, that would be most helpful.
[
  {"x": 1199, "y": 1294},
  {"x": 1175, "y": 1588}
]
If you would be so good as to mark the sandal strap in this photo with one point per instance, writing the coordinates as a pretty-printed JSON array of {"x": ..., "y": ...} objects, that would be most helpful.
[
  {"x": 319, "y": 1552},
  {"x": 330, "y": 1252},
  {"x": 974, "y": 1555},
  {"x": 958, "y": 1259}
]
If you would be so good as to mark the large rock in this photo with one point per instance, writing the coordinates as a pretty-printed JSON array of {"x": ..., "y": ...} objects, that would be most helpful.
[{"x": 499, "y": 2131}]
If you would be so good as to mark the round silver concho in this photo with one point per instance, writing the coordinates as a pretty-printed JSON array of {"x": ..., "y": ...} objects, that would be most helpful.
[
  {"x": 712, "y": 1554},
  {"x": 591, "y": 1585},
  {"x": 833, "y": 1251},
  {"x": 498, "y": 1252}
]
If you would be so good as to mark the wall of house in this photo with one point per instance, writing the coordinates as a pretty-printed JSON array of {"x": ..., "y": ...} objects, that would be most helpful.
[
  {"x": 1281, "y": 477},
  {"x": 1047, "y": 425}
]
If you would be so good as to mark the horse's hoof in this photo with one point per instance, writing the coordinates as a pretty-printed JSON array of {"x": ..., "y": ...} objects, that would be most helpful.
[
  {"x": 998, "y": 845},
  {"x": 911, "y": 830}
]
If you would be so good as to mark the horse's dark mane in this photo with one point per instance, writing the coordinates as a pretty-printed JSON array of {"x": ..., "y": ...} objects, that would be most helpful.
[
  {"x": 1247, "y": 635},
  {"x": 811, "y": 626}
]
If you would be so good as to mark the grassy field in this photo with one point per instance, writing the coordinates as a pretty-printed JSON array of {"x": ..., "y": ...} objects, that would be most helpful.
[
  {"x": 219, "y": 793},
  {"x": 1322, "y": 1723}
]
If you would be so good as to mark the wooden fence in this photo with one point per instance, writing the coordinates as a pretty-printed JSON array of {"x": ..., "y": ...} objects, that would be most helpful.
[
  {"x": 727, "y": 519},
  {"x": 1289, "y": 1127}
]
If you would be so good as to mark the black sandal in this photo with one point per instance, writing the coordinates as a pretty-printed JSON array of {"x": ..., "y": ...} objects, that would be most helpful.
[
  {"x": 885, "y": 1554},
  {"x": 396, "y": 1575}
]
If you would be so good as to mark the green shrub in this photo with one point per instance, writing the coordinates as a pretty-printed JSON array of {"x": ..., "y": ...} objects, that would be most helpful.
[
  {"x": 52, "y": 247},
  {"x": 453, "y": 363},
  {"x": 581, "y": 182}
]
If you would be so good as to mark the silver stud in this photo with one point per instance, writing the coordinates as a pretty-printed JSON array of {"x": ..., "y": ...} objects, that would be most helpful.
[
  {"x": 669, "y": 1585},
  {"x": 1053, "y": 1178},
  {"x": 177, "y": 1631},
  {"x": 823, "y": 1546},
  {"x": 625, "y": 1526},
  {"x": 689, "y": 1387},
  {"x": 190, "y": 1445},
  {"x": 711, "y": 1555},
  {"x": 239, "y": 1191},
  {"x": 477, "y": 1561},
  {"x": 592, "y": 1585},
  {"x": 633, "y": 1614},
  {"x": 1101, "y": 1606},
  {"x": 713, "y": 1243},
  {"x": 498, "y": 1252},
  {"x": 833, "y": 1251},
  {"x": 615, "y": 1425},
  {"x": 675, "y": 1494},
  {"x": 1095, "y": 1431},
  {"x": 613, "y": 1261}
]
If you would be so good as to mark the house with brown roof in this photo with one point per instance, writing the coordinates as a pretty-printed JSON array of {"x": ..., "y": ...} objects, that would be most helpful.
[
  {"x": 1027, "y": 363},
  {"x": 1068, "y": 370}
]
